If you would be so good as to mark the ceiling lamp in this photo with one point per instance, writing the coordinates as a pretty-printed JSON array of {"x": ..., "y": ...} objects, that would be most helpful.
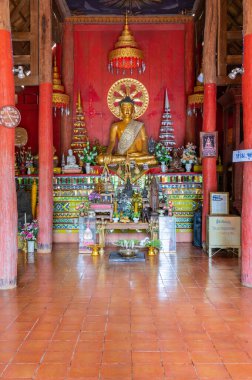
[
  {"x": 60, "y": 100},
  {"x": 126, "y": 56}
]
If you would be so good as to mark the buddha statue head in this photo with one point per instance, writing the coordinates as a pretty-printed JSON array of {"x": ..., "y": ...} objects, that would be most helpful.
[{"x": 127, "y": 107}]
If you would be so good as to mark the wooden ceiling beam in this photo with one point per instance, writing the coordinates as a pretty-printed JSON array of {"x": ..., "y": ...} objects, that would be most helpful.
[
  {"x": 31, "y": 59},
  {"x": 234, "y": 59},
  {"x": 22, "y": 59},
  {"x": 222, "y": 38},
  {"x": 62, "y": 8},
  {"x": 225, "y": 80},
  {"x": 234, "y": 35},
  {"x": 18, "y": 6},
  {"x": 21, "y": 36}
]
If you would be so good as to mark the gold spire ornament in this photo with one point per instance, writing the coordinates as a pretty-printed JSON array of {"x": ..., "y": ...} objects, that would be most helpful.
[
  {"x": 126, "y": 55},
  {"x": 60, "y": 100},
  {"x": 80, "y": 136}
]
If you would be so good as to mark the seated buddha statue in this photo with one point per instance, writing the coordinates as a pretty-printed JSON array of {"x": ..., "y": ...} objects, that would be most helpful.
[
  {"x": 128, "y": 139},
  {"x": 71, "y": 161}
]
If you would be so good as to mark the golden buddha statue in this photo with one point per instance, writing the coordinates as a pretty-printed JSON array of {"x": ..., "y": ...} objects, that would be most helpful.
[{"x": 131, "y": 137}]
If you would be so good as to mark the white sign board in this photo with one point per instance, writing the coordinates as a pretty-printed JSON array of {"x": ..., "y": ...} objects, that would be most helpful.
[
  {"x": 242, "y": 155},
  {"x": 219, "y": 203},
  {"x": 224, "y": 231},
  {"x": 167, "y": 234}
]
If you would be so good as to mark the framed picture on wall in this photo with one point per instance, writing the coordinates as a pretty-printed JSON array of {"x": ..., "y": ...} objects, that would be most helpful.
[
  {"x": 208, "y": 144},
  {"x": 219, "y": 203}
]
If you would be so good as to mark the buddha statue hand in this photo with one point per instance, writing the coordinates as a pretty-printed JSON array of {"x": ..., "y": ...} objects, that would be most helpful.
[
  {"x": 107, "y": 158},
  {"x": 103, "y": 159}
]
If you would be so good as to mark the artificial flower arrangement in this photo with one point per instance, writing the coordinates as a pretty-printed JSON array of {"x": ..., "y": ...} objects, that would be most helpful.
[
  {"x": 89, "y": 154},
  {"x": 170, "y": 208},
  {"x": 136, "y": 215},
  {"x": 162, "y": 154},
  {"x": 94, "y": 197},
  {"x": 116, "y": 215},
  {"x": 83, "y": 207},
  {"x": 29, "y": 231},
  {"x": 189, "y": 154}
]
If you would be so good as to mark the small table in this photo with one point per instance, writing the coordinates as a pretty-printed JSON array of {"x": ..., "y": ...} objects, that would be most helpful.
[
  {"x": 108, "y": 226},
  {"x": 223, "y": 232}
]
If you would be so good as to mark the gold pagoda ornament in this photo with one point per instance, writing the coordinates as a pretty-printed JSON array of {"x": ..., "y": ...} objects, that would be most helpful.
[
  {"x": 126, "y": 56},
  {"x": 60, "y": 100},
  {"x": 80, "y": 137}
]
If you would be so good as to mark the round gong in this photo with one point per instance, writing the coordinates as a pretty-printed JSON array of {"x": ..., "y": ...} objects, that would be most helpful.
[{"x": 21, "y": 136}]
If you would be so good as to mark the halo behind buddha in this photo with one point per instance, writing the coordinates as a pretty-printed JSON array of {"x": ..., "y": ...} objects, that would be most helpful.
[{"x": 134, "y": 90}]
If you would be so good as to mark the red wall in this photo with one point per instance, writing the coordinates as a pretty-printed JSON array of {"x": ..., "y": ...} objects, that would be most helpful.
[{"x": 164, "y": 51}]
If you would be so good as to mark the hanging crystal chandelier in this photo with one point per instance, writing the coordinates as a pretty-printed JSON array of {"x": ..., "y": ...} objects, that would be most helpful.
[
  {"x": 126, "y": 56},
  {"x": 60, "y": 100}
]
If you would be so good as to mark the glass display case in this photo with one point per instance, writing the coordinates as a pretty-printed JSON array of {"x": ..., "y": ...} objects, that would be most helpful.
[{"x": 185, "y": 192}]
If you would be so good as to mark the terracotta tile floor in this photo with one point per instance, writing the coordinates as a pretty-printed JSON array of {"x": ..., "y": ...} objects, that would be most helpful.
[{"x": 174, "y": 317}]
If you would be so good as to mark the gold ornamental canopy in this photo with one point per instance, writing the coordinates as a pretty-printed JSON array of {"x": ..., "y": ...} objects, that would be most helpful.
[
  {"x": 126, "y": 56},
  {"x": 60, "y": 100}
]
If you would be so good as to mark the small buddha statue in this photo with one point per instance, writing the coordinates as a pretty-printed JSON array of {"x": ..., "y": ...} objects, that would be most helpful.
[
  {"x": 175, "y": 165},
  {"x": 71, "y": 161},
  {"x": 130, "y": 137}
]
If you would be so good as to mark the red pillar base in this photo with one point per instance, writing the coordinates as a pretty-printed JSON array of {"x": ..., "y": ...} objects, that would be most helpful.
[
  {"x": 44, "y": 248},
  {"x": 8, "y": 283},
  {"x": 246, "y": 273},
  {"x": 246, "y": 268}
]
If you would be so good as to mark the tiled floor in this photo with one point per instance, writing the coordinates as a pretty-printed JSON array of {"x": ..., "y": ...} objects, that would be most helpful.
[{"x": 173, "y": 317}]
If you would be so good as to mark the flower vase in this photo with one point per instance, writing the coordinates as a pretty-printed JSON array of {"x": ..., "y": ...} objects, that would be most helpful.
[
  {"x": 136, "y": 220},
  {"x": 163, "y": 167},
  {"x": 88, "y": 168},
  {"x": 188, "y": 166},
  {"x": 30, "y": 251}
]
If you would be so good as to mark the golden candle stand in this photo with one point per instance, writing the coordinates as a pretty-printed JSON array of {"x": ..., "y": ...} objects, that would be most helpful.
[
  {"x": 95, "y": 250},
  {"x": 101, "y": 225}
]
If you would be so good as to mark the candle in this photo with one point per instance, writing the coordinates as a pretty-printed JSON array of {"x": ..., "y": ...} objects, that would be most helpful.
[
  {"x": 115, "y": 206},
  {"x": 25, "y": 217},
  {"x": 136, "y": 207}
]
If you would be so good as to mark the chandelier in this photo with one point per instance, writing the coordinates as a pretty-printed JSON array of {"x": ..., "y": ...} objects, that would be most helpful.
[
  {"x": 59, "y": 99},
  {"x": 126, "y": 56}
]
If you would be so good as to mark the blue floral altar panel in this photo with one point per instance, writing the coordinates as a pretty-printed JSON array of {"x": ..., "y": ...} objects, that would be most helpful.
[{"x": 87, "y": 234}]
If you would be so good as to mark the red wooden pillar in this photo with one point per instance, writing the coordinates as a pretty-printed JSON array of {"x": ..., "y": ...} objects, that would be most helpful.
[
  {"x": 209, "y": 116},
  {"x": 189, "y": 57},
  {"x": 246, "y": 275},
  {"x": 189, "y": 78},
  {"x": 45, "y": 130},
  {"x": 68, "y": 81},
  {"x": 8, "y": 199}
]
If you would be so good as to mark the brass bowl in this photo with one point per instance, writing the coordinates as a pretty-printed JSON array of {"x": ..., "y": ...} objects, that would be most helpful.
[{"x": 129, "y": 252}]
